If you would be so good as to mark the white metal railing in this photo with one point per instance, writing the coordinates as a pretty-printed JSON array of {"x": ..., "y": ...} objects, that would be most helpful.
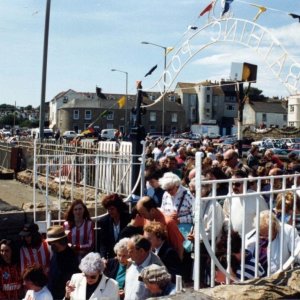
[
  {"x": 107, "y": 171},
  {"x": 211, "y": 246}
]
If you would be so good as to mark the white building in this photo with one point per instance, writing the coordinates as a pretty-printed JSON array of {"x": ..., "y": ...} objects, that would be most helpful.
[
  {"x": 268, "y": 113},
  {"x": 294, "y": 111}
]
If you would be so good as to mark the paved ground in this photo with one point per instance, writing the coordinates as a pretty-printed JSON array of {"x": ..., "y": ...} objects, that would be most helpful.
[{"x": 13, "y": 194}]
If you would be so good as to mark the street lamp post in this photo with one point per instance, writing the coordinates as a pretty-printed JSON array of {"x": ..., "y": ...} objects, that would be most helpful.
[
  {"x": 44, "y": 71},
  {"x": 126, "y": 105},
  {"x": 165, "y": 66}
]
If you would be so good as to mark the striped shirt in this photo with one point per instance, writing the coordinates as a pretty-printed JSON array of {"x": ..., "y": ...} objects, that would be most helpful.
[
  {"x": 82, "y": 238},
  {"x": 250, "y": 267},
  {"x": 36, "y": 256}
]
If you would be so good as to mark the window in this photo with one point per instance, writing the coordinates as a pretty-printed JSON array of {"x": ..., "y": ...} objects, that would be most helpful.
[
  {"x": 264, "y": 117},
  {"x": 76, "y": 114},
  {"x": 86, "y": 125},
  {"x": 207, "y": 110},
  {"x": 152, "y": 128},
  {"x": 109, "y": 125},
  {"x": 152, "y": 116},
  {"x": 174, "y": 117},
  {"x": 229, "y": 107},
  {"x": 88, "y": 115},
  {"x": 65, "y": 100},
  {"x": 292, "y": 108},
  {"x": 207, "y": 99},
  {"x": 172, "y": 98},
  {"x": 110, "y": 115},
  {"x": 285, "y": 118},
  {"x": 291, "y": 124},
  {"x": 193, "y": 113}
]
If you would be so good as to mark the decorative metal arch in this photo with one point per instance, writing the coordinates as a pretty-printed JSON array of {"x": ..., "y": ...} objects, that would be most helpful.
[{"x": 240, "y": 31}]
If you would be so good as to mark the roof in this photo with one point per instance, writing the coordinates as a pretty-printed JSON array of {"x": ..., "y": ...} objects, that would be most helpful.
[
  {"x": 268, "y": 107},
  {"x": 111, "y": 103}
]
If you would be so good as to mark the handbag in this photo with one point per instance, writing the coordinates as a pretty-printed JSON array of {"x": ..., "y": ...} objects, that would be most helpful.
[{"x": 185, "y": 228}]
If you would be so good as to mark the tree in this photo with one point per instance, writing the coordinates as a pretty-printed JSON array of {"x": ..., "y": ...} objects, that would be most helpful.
[
  {"x": 28, "y": 107},
  {"x": 254, "y": 94}
]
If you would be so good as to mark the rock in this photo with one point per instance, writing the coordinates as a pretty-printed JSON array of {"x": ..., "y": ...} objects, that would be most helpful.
[
  {"x": 284, "y": 285},
  {"x": 294, "y": 280},
  {"x": 25, "y": 177}
]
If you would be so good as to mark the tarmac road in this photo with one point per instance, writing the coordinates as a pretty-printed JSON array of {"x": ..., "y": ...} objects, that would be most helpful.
[{"x": 13, "y": 194}]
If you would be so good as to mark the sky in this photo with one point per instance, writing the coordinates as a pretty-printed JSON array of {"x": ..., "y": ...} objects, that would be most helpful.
[{"x": 88, "y": 38}]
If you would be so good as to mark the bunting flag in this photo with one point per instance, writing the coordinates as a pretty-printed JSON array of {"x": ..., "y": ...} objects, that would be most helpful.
[
  {"x": 294, "y": 16},
  {"x": 88, "y": 131},
  {"x": 169, "y": 49},
  {"x": 207, "y": 9},
  {"x": 122, "y": 101},
  {"x": 225, "y": 6},
  {"x": 261, "y": 9},
  {"x": 151, "y": 71}
]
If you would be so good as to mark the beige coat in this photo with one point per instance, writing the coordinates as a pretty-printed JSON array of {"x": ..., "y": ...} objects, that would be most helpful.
[{"x": 107, "y": 288}]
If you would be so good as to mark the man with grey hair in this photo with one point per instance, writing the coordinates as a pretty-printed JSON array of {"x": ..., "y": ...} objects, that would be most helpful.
[
  {"x": 289, "y": 237},
  {"x": 139, "y": 249}
]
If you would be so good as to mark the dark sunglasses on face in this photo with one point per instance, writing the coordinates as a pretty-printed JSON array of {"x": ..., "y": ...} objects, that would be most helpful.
[{"x": 90, "y": 276}]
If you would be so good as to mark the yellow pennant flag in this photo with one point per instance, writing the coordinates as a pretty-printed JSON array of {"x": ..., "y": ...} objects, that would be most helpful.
[
  {"x": 261, "y": 9},
  {"x": 122, "y": 101},
  {"x": 169, "y": 49}
]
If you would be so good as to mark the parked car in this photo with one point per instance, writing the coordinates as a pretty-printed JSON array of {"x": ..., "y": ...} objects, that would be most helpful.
[
  {"x": 69, "y": 134},
  {"x": 282, "y": 154}
]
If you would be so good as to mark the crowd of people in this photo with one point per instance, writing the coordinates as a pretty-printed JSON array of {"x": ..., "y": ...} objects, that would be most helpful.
[{"x": 139, "y": 253}]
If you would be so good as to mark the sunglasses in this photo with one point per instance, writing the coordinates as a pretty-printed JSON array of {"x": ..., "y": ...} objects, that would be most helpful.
[{"x": 91, "y": 276}]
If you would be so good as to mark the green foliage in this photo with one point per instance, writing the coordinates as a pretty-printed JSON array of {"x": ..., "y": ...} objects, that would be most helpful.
[{"x": 255, "y": 94}]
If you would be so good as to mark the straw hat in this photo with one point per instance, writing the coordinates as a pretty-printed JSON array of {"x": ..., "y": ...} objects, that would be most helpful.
[{"x": 55, "y": 233}]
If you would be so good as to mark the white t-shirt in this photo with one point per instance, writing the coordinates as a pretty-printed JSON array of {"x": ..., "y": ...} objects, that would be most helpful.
[{"x": 43, "y": 294}]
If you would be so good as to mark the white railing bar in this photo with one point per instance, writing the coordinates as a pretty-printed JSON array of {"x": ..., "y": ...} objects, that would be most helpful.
[{"x": 269, "y": 249}]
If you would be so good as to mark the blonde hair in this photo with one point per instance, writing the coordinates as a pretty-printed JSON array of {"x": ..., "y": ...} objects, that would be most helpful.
[
  {"x": 288, "y": 199},
  {"x": 157, "y": 228},
  {"x": 264, "y": 218}
]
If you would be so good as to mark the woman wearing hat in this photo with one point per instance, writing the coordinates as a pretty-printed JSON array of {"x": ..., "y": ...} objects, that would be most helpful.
[
  {"x": 81, "y": 228},
  {"x": 91, "y": 283},
  {"x": 34, "y": 250},
  {"x": 157, "y": 281},
  {"x": 64, "y": 262},
  {"x": 10, "y": 274}
]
